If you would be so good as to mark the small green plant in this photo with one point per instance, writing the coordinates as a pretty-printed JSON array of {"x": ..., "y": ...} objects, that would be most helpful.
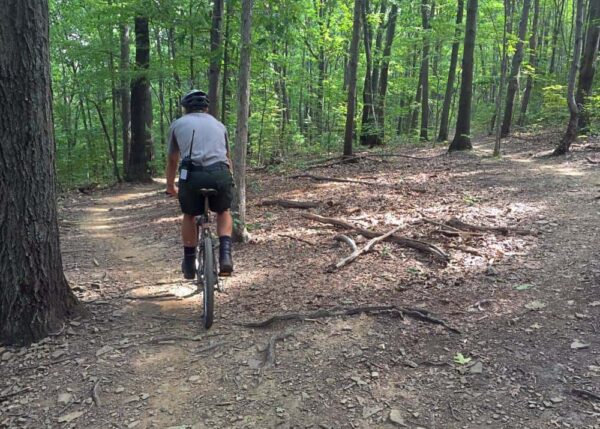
[
  {"x": 460, "y": 359},
  {"x": 470, "y": 200},
  {"x": 413, "y": 270}
]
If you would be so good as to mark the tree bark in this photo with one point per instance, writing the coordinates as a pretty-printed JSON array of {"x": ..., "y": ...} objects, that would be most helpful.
[
  {"x": 241, "y": 136},
  {"x": 35, "y": 298},
  {"x": 228, "y": 18},
  {"x": 425, "y": 14},
  {"x": 513, "y": 81},
  {"x": 445, "y": 118},
  {"x": 588, "y": 63},
  {"x": 368, "y": 134},
  {"x": 533, "y": 60},
  {"x": 125, "y": 101},
  {"x": 141, "y": 153},
  {"x": 352, "y": 73},
  {"x": 215, "y": 58},
  {"x": 462, "y": 137},
  {"x": 571, "y": 132}
]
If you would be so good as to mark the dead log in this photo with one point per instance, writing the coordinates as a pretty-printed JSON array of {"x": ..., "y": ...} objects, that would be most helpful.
[
  {"x": 422, "y": 246},
  {"x": 356, "y": 253},
  {"x": 290, "y": 204}
]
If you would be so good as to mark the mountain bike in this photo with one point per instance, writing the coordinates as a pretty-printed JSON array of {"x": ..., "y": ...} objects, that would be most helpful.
[{"x": 207, "y": 269}]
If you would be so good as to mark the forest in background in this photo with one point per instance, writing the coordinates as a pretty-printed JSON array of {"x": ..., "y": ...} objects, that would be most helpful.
[{"x": 409, "y": 64}]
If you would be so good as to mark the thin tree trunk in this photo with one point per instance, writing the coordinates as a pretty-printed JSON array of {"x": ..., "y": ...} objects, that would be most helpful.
[
  {"x": 161, "y": 95},
  {"x": 241, "y": 136},
  {"x": 125, "y": 101},
  {"x": 571, "y": 132},
  {"x": 35, "y": 298},
  {"x": 140, "y": 157},
  {"x": 513, "y": 81},
  {"x": 228, "y": 17},
  {"x": 352, "y": 74},
  {"x": 533, "y": 60},
  {"x": 588, "y": 63},
  {"x": 557, "y": 25},
  {"x": 425, "y": 14},
  {"x": 503, "y": 69},
  {"x": 462, "y": 138},
  {"x": 385, "y": 65},
  {"x": 215, "y": 58},
  {"x": 444, "y": 121}
]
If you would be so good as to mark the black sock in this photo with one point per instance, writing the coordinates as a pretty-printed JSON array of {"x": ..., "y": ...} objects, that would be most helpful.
[
  {"x": 189, "y": 252},
  {"x": 225, "y": 241}
]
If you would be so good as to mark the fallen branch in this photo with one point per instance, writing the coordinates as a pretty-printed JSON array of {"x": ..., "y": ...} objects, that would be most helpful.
[
  {"x": 591, "y": 161},
  {"x": 290, "y": 204},
  {"x": 504, "y": 230},
  {"x": 419, "y": 314},
  {"x": 43, "y": 365},
  {"x": 150, "y": 297},
  {"x": 345, "y": 239},
  {"x": 356, "y": 253},
  {"x": 402, "y": 241}
]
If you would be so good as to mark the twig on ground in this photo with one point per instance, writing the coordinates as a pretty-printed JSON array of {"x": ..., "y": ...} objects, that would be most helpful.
[
  {"x": 53, "y": 362},
  {"x": 345, "y": 239},
  {"x": 12, "y": 394},
  {"x": 402, "y": 241},
  {"x": 504, "y": 230},
  {"x": 167, "y": 339},
  {"x": 292, "y": 237},
  {"x": 591, "y": 161},
  {"x": 419, "y": 314},
  {"x": 356, "y": 253},
  {"x": 210, "y": 347},
  {"x": 95, "y": 396},
  {"x": 290, "y": 204},
  {"x": 586, "y": 394}
]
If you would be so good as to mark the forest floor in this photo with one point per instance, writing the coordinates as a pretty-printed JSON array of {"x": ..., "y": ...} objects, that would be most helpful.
[{"x": 526, "y": 302}]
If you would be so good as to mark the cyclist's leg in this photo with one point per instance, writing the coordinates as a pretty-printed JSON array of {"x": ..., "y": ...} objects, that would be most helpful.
[
  {"x": 221, "y": 204},
  {"x": 192, "y": 205}
]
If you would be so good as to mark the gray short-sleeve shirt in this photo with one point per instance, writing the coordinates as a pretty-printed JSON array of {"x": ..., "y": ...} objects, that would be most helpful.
[{"x": 210, "y": 138}]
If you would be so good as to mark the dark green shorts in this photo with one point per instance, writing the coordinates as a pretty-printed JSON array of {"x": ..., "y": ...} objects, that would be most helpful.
[{"x": 192, "y": 203}]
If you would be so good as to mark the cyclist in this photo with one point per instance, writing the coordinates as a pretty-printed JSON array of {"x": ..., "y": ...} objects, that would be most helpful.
[{"x": 203, "y": 138}]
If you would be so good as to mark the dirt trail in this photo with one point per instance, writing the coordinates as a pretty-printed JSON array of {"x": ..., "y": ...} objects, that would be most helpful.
[{"x": 528, "y": 307}]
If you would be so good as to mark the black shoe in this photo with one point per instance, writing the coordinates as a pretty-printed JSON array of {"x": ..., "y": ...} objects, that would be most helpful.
[
  {"x": 188, "y": 268},
  {"x": 225, "y": 259}
]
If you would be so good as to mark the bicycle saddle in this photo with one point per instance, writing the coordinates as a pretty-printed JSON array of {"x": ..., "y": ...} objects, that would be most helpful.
[{"x": 208, "y": 192}]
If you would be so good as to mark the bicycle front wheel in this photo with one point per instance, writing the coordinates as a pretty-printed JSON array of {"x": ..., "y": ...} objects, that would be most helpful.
[{"x": 209, "y": 281}]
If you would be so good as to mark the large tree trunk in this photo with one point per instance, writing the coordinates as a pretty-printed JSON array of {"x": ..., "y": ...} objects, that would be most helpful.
[
  {"x": 35, "y": 298},
  {"x": 462, "y": 137},
  {"x": 352, "y": 73},
  {"x": 445, "y": 119},
  {"x": 241, "y": 135},
  {"x": 533, "y": 60},
  {"x": 385, "y": 66},
  {"x": 368, "y": 134},
  {"x": 215, "y": 58},
  {"x": 513, "y": 81},
  {"x": 125, "y": 101},
  {"x": 425, "y": 13},
  {"x": 588, "y": 63},
  {"x": 141, "y": 154},
  {"x": 224, "y": 89},
  {"x": 571, "y": 132}
]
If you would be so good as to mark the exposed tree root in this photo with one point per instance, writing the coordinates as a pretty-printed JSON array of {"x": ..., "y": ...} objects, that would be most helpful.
[
  {"x": 290, "y": 204},
  {"x": 292, "y": 237},
  {"x": 402, "y": 241},
  {"x": 357, "y": 252},
  {"x": 345, "y": 239},
  {"x": 269, "y": 358},
  {"x": 418, "y": 314}
]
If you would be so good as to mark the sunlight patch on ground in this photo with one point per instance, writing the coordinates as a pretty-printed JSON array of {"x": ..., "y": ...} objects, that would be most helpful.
[
  {"x": 172, "y": 219},
  {"x": 121, "y": 198}
]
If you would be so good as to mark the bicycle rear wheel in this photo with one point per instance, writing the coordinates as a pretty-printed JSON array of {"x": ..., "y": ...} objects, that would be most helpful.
[{"x": 209, "y": 281}]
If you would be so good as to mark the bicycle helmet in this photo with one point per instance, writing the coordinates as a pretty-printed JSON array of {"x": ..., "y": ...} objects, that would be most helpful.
[{"x": 195, "y": 100}]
